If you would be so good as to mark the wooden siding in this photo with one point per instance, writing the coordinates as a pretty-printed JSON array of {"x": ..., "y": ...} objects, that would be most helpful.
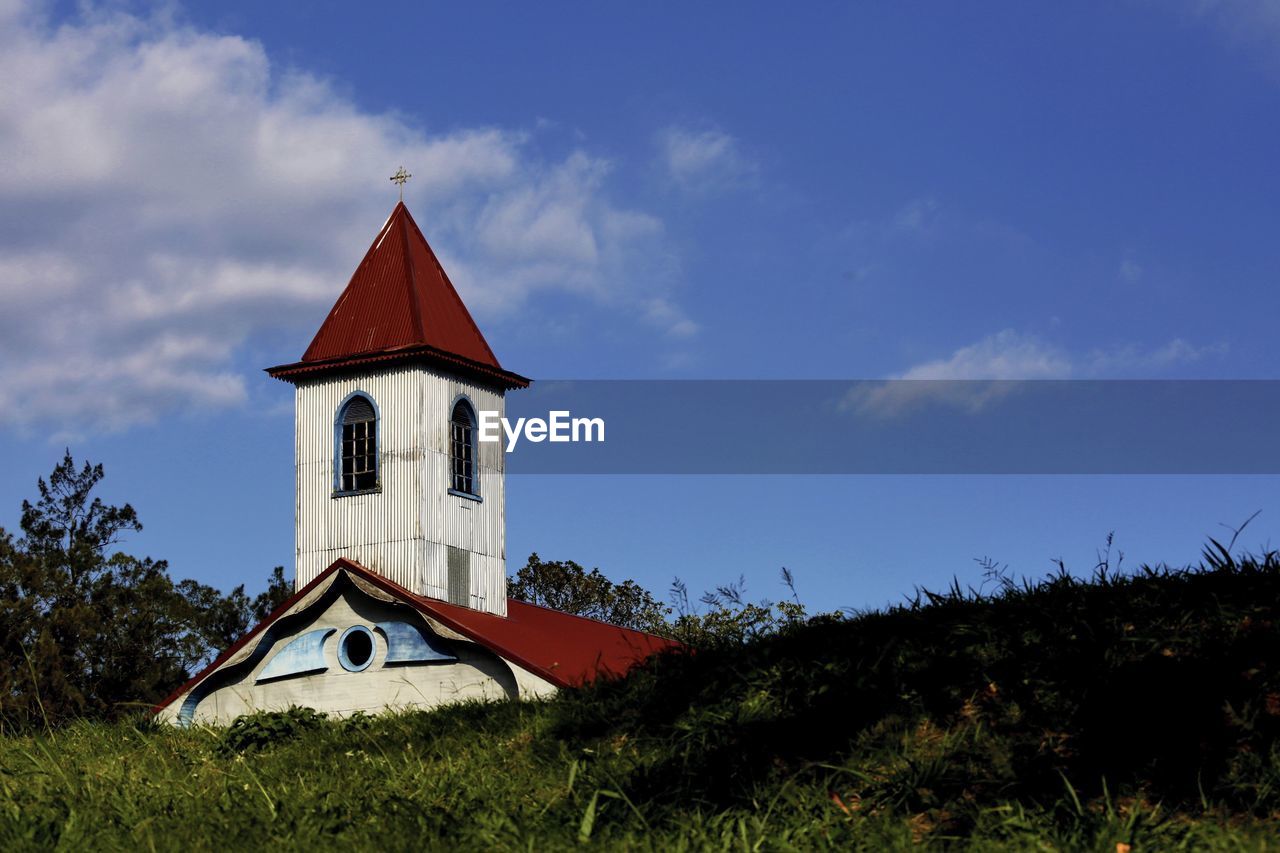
[{"x": 404, "y": 531}]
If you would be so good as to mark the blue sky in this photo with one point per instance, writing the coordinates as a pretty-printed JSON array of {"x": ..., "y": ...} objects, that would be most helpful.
[{"x": 841, "y": 191}]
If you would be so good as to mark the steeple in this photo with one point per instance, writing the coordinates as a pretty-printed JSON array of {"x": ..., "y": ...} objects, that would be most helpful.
[
  {"x": 400, "y": 306},
  {"x": 389, "y": 469}
]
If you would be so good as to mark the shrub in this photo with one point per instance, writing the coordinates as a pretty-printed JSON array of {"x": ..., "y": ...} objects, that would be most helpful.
[{"x": 268, "y": 728}]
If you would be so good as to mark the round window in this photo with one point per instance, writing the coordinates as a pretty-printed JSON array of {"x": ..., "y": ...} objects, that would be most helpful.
[{"x": 355, "y": 648}]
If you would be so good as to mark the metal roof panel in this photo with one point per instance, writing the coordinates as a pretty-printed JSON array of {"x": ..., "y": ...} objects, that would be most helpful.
[{"x": 399, "y": 296}]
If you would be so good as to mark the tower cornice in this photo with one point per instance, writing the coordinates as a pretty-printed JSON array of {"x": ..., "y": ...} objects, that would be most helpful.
[{"x": 302, "y": 370}]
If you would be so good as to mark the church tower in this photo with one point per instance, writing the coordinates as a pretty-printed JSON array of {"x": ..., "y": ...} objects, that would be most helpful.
[{"x": 389, "y": 470}]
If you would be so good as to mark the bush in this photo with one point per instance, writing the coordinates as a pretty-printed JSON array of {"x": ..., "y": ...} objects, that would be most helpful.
[{"x": 268, "y": 728}]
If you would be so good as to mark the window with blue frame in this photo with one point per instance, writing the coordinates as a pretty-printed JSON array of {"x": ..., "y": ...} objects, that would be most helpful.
[
  {"x": 358, "y": 446},
  {"x": 462, "y": 448}
]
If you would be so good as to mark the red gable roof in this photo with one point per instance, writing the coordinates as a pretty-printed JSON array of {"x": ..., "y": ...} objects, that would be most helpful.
[
  {"x": 565, "y": 649},
  {"x": 399, "y": 305}
]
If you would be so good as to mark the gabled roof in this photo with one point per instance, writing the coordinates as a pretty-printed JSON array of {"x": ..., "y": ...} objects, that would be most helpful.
[
  {"x": 564, "y": 649},
  {"x": 399, "y": 305}
]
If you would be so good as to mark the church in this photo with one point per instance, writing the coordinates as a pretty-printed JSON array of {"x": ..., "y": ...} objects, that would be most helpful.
[{"x": 400, "y": 514}]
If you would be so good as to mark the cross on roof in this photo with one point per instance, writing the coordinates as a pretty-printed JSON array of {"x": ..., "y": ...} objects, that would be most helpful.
[{"x": 399, "y": 178}]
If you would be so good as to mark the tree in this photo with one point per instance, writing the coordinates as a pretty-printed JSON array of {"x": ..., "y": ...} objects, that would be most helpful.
[
  {"x": 568, "y": 587},
  {"x": 226, "y": 618},
  {"x": 91, "y": 632},
  {"x": 729, "y": 619},
  {"x": 279, "y": 590}
]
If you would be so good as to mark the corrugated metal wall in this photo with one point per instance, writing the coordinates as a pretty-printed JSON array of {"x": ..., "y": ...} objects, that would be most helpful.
[{"x": 402, "y": 532}]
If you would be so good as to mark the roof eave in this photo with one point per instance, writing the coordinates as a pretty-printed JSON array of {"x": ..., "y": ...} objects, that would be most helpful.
[
  {"x": 255, "y": 631},
  {"x": 424, "y": 354}
]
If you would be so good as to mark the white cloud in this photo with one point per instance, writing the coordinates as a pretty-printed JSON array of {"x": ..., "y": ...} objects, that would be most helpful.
[
  {"x": 554, "y": 229},
  {"x": 1004, "y": 355},
  {"x": 669, "y": 317},
  {"x": 167, "y": 194},
  {"x": 916, "y": 215},
  {"x": 978, "y": 374},
  {"x": 1252, "y": 19},
  {"x": 703, "y": 161},
  {"x": 1250, "y": 24},
  {"x": 1129, "y": 360},
  {"x": 1130, "y": 269}
]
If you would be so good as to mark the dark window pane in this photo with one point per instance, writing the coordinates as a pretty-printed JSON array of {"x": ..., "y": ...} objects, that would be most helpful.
[
  {"x": 461, "y": 449},
  {"x": 358, "y": 450}
]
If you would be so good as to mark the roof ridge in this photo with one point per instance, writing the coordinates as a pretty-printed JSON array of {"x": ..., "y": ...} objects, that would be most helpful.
[{"x": 411, "y": 279}]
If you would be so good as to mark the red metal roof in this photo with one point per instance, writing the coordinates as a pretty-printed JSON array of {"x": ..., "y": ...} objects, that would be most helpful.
[
  {"x": 565, "y": 649},
  {"x": 399, "y": 303}
]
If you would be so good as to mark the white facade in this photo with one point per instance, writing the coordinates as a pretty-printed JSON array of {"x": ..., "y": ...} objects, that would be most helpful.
[
  {"x": 412, "y": 530},
  {"x": 244, "y": 684}
]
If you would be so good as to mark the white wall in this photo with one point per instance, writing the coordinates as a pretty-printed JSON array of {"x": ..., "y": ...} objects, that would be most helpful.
[
  {"x": 477, "y": 674},
  {"x": 401, "y": 532}
]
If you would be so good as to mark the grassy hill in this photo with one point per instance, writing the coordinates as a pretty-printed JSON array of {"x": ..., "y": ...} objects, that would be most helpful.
[{"x": 1136, "y": 710}]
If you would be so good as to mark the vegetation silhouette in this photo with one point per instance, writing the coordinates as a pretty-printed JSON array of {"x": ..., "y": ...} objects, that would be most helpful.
[
  {"x": 87, "y": 631},
  {"x": 1119, "y": 708}
]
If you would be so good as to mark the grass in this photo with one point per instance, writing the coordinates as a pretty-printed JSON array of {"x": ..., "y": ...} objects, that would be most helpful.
[{"x": 1138, "y": 710}]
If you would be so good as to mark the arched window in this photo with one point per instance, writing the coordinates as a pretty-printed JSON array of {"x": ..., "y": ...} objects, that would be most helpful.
[
  {"x": 462, "y": 448},
  {"x": 358, "y": 446}
]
